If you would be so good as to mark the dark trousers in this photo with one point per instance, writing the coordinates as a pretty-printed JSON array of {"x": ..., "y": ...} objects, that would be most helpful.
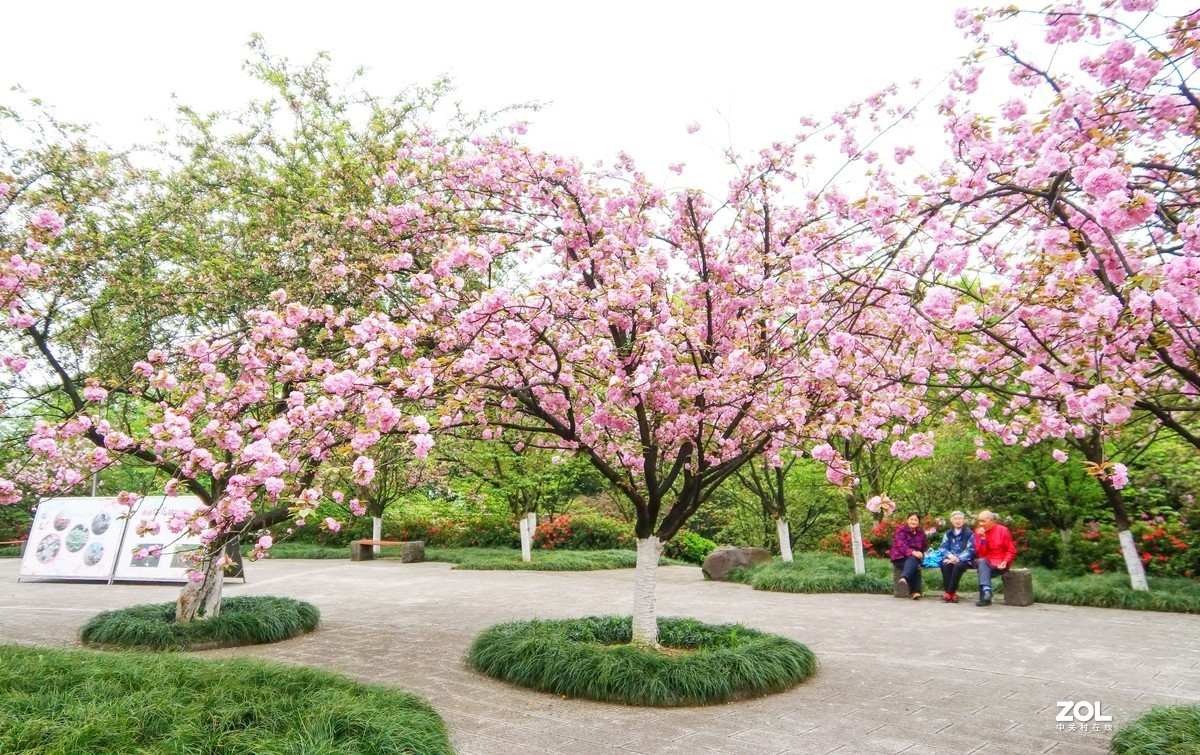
[
  {"x": 910, "y": 570},
  {"x": 952, "y": 573},
  {"x": 986, "y": 570}
]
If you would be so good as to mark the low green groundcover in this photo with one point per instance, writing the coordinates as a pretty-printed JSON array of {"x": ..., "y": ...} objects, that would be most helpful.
[
  {"x": 80, "y": 701},
  {"x": 1163, "y": 730},
  {"x": 591, "y": 658},
  {"x": 245, "y": 620},
  {"x": 825, "y": 573},
  {"x": 501, "y": 559}
]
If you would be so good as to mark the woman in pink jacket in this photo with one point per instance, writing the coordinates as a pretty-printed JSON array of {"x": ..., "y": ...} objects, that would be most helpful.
[{"x": 908, "y": 548}]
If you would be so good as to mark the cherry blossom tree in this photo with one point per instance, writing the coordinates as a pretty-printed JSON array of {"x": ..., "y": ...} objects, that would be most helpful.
[
  {"x": 657, "y": 335},
  {"x": 1056, "y": 251}
]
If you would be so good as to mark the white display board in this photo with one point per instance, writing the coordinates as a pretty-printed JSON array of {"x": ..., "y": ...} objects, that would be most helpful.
[
  {"x": 169, "y": 566},
  {"x": 74, "y": 538}
]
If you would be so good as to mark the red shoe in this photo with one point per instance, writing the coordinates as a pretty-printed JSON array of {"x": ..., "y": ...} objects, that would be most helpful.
[
  {"x": 953, "y": 597},
  {"x": 946, "y": 597}
]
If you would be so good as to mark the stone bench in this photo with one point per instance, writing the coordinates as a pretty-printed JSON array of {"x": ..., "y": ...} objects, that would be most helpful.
[
  {"x": 411, "y": 551},
  {"x": 1018, "y": 586}
]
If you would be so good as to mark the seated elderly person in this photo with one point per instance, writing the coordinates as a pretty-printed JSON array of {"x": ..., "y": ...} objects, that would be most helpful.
[
  {"x": 958, "y": 555},
  {"x": 994, "y": 553}
]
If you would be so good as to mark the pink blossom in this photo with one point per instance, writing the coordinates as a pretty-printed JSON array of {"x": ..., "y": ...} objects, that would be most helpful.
[{"x": 363, "y": 470}]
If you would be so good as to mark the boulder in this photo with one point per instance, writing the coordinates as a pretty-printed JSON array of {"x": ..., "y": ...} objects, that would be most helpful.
[{"x": 728, "y": 557}]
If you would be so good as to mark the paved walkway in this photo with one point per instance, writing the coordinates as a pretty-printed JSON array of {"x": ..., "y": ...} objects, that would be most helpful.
[{"x": 896, "y": 676}]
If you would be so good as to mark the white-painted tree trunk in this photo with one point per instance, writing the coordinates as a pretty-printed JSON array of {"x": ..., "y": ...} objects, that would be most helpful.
[
  {"x": 785, "y": 539},
  {"x": 376, "y": 532},
  {"x": 201, "y": 600},
  {"x": 526, "y": 545},
  {"x": 856, "y": 548},
  {"x": 645, "y": 579},
  {"x": 532, "y": 517},
  {"x": 1137, "y": 572}
]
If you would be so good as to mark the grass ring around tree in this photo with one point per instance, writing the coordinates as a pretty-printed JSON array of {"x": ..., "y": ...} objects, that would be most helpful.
[
  {"x": 244, "y": 620},
  {"x": 592, "y": 658}
]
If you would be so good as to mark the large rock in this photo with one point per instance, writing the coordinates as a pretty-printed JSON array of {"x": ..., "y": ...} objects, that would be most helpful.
[{"x": 728, "y": 557}]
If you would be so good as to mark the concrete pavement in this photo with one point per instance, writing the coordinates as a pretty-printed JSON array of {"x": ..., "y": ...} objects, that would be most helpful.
[{"x": 896, "y": 676}]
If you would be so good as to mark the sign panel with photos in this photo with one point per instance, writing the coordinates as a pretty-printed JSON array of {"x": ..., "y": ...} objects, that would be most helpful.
[
  {"x": 75, "y": 538},
  {"x": 168, "y": 565}
]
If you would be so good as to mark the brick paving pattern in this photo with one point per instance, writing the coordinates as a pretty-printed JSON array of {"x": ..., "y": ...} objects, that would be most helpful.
[{"x": 896, "y": 676}]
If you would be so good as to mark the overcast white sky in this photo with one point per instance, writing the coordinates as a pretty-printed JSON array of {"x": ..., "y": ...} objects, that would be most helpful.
[{"x": 615, "y": 76}]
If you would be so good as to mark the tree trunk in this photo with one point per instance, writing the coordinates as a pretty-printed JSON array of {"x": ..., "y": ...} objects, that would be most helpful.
[
  {"x": 856, "y": 545},
  {"x": 1133, "y": 563},
  {"x": 785, "y": 539},
  {"x": 376, "y": 532},
  {"x": 526, "y": 544},
  {"x": 1137, "y": 572},
  {"x": 202, "y": 600},
  {"x": 645, "y": 618},
  {"x": 1065, "y": 534}
]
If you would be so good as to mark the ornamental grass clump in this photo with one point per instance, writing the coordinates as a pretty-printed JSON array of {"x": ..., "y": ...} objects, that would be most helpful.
[
  {"x": 592, "y": 658},
  {"x": 244, "y": 620},
  {"x": 81, "y": 701},
  {"x": 1163, "y": 730}
]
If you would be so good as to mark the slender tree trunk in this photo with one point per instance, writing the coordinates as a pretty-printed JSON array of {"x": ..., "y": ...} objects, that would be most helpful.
[
  {"x": 202, "y": 600},
  {"x": 856, "y": 546},
  {"x": 376, "y": 532},
  {"x": 1065, "y": 534},
  {"x": 645, "y": 616},
  {"x": 1133, "y": 562},
  {"x": 1093, "y": 450},
  {"x": 526, "y": 541},
  {"x": 785, "y": 539}
]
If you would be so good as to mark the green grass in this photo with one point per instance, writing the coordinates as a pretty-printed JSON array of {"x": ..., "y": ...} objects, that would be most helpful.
[
  {"x": 306, "y": 550},
  {"x": 825, "y": 573},
  {"x": 486, "y": 559},
  {"x": 60, "y": 702},
  {"x": 10, "y": 551},
  {"x": 244, "y": 620},
  {"x": 591, "y": 658},
  {"x": 1162, "y": 730},
  {"x": 543, "y": 560}
]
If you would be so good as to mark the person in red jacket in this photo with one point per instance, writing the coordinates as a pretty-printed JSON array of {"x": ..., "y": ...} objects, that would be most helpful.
[{"x": 995, "y": 551}]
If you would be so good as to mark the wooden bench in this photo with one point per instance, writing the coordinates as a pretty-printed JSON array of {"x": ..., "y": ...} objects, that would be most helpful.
[
  {"x": 411, "y": 551},
  {"x": 1018, "y": 586}
]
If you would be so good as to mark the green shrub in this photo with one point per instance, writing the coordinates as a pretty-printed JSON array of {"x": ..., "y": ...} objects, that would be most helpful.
[
  {"x": 488, "y": 531},
  {"x": 1169, "y": 548},
  {"x": 15, "y": 521},
  {"x": 244, "y": 620},
  {"x": 1163, "y": 730},
  {"x": 591, "y": 658},
  {"x": 81, "y": 701},
  {"x": 584, "y": 532},
  {"x": 689, "y": 547}
]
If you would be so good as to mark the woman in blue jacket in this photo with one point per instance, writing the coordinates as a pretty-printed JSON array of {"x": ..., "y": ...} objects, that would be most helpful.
[{"x": 958, "y": 555}]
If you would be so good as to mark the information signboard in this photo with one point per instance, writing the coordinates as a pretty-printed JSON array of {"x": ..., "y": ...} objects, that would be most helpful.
[
  {"x": 168, "y": 564},
  {"x": 74, "y": 538}
]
